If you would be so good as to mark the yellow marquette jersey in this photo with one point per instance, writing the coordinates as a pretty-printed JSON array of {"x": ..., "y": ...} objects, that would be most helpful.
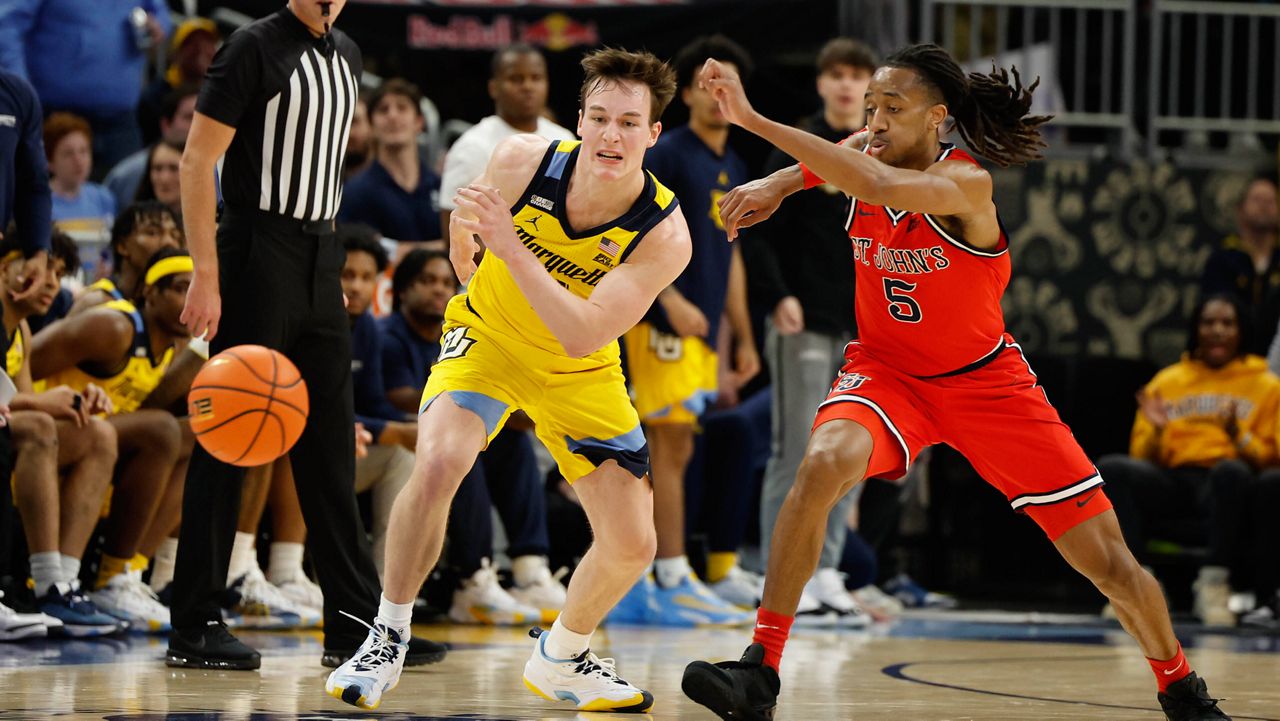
[
  {"x": 140, "y": 375},
  {"x": 16, "y": 355},
  {"x": 578, "y": 260},
  {"x": 106, "y": 285}
]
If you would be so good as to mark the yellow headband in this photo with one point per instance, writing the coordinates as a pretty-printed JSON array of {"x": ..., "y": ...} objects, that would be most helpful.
[
  {"x": 169, "y": 266},
  {"x": 11, "y": 256}
]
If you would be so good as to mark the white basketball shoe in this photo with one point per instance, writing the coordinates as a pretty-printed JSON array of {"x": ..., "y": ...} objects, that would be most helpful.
[{"x": 588, "y": 682}]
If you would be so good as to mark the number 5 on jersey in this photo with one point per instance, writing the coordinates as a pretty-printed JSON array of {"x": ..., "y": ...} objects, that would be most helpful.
[
  {"x": 901, "y": 305},
  {"x": 455, "y": 344}
]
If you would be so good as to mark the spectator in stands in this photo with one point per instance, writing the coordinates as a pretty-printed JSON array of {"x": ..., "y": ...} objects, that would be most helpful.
[
  {"x": 359, "y": 142},
  {"x": 138, "y": 233},
  {"x": 125, "y": 349},
  {"x": 175, "y": 124},
  {"x": 82, "y": 209},
  {"x": 1248, "y": 262},
  {"x": 506, "y": 475},
  {"x": 161, "y": 182},
  {"x": 386, "y": 468},
  {"x": 397, "y": 194},
  {"x": 808, "y": 299},
  {"x": 25, "y": 194},
  {"x": 672, "y": 365},
  {"x": 65, "y": 455},
  {"x": 518, "y": 86},
  {"x": 87, "y": 58},
  {"x": 1201, "y": 424},
  {"x": 190, "y": 51}
]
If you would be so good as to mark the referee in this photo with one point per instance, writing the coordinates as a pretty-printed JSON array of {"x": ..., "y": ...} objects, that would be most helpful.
[{"x": 277, "y": 103}]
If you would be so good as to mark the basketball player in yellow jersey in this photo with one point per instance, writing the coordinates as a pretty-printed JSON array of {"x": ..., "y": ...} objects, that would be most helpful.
[
  {"x": 580, "y": 241},
  {"x": 125, "y": 350}
]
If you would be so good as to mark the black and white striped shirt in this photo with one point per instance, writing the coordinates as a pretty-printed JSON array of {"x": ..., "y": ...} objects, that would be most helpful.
[{"x": 290, "y": 96}]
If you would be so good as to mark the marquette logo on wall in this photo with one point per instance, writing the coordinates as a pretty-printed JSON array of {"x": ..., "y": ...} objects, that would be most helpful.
[{"x": 554, "y": 32}]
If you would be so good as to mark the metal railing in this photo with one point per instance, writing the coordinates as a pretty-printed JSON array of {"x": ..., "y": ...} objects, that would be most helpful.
[
  {"x": 1183, "y": 85},
  {"x": 1083, "y": 51}
]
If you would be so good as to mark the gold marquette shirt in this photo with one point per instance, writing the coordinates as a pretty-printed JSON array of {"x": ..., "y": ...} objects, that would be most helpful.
[
  {"x": 576, "y": 259},
  {"x": 128, "y": 388},
  {"x": 17, "y": 353}
]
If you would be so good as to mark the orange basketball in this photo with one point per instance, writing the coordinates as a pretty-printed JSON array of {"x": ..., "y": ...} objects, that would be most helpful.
[{"x": 248, "y": 405}]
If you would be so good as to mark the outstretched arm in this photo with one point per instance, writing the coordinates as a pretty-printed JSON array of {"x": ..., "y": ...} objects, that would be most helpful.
[
  {"x": 101, "y": 336},
  {"x": 942, "y": 189}
]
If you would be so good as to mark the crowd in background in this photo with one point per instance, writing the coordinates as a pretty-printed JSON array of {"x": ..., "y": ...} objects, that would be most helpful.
[{"x": 726, "y": 370}]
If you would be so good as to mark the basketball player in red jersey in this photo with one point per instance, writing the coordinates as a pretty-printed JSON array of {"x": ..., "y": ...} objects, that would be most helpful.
[{"x": 933, "y": 363}]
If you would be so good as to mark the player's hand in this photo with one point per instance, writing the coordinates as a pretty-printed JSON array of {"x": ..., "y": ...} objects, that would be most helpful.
[
  {"x": 64, "y": 403},
  {"x": 748, "y": 204},
  {"x": 5, "y": 416},
  {"x": 97, "y": 400},
  {"x": 686, "y": 319},
  {"x": 1154, "y": 408},
  {"x": 746, "y": 362},
  {"x": 462, "y": 250},
  {"x": 489, "y": 218},
  {"x": 788, "y": 316},
  {"x": 203, "y": 308},
  {"x": 725, "y": 86},
  {"x": 363, "y": 439},
  {"x": 31, "y": 277}
]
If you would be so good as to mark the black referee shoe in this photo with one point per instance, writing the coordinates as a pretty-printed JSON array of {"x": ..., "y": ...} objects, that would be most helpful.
[
  {"x": 210, "y": 646},
  {"x": 745, "y": 690},
  {"x": 421, "y": 653},
  {"x": 1188, "y": 700}
]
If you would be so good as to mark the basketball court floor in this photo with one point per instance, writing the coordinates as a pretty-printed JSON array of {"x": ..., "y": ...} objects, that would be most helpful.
[{"x": 940, "y": 667}]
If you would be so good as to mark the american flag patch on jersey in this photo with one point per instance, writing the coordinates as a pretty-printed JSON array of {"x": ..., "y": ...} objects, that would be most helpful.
[{"x": 610, "y": 247}]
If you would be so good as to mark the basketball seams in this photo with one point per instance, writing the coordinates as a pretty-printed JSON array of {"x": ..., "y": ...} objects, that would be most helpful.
[
  {"x": 254, "y": 371},
  {"x": 265, "y": 411}
]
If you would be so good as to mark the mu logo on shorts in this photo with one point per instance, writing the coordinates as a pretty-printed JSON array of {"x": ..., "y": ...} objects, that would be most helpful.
[{"x": 851, "y": 381}]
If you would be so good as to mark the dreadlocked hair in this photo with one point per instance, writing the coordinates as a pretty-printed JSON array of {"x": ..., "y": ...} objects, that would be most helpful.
[{"x": 990, "y": 113}]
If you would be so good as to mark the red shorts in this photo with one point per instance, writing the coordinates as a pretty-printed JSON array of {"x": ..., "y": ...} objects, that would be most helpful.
[{"x": 996, "y": 416}]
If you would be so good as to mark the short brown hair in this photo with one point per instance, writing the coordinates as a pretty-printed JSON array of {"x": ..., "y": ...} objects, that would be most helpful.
[
  {"x": 58, "y": 126},
  {"x": 847, "y": 51},
  {"x": 396, "y": 86},
  {"x": 618, "y": 65}
]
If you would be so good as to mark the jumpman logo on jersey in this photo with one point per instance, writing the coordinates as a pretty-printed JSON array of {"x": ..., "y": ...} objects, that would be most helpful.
[{"x": 534, "y": 222}]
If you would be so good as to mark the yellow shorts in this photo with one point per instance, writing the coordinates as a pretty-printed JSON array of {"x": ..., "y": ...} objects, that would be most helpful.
[
  {"x": 672, "y": 378},
  {"x": 581, "y": 409}
]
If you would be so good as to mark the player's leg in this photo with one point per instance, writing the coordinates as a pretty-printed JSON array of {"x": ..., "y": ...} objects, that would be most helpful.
[
  {"x": 169, "y": 513},
  {"x": 1035, "y": 461},
  {"x": 450, "y": 437},
  {"x": 86, "y": 459},
  {"x": 150, "y": 442},
  {"x": 1096, "y": 549},
  {"x": 619, "y": 506}
]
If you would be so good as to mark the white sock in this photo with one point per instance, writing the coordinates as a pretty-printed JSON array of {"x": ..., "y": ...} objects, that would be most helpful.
[
  {"x": 162, "y": 565},
  {"x": 528, "y": 569},
  {"x": 46, "y": 570},
  {"x": 286, "y": 562},
  {"x": 563, "y": 644},
  {"x": 397, "y": 616},
  {"x": 242, "y": 557},
  {"x": 669, "y": 572},
  {"x": 70, "y": 569}
]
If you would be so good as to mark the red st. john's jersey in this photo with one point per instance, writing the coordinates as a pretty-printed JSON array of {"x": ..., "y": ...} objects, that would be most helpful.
[{"x": 927, "y": 302}]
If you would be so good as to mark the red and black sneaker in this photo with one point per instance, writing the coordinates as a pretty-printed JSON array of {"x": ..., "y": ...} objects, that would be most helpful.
[
  {"x": 1188, "y": 700},
  {"x": 745, "y": 690}
]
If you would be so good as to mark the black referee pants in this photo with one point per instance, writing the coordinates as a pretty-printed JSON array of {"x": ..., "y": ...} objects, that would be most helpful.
[{"x": 280, "y": 288}]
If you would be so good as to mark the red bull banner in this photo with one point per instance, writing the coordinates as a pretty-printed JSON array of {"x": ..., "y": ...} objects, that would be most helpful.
[{"x": 555, "y": 32}]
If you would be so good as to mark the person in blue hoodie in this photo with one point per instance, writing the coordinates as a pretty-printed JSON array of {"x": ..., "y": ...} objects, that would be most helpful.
[{"x": 87, "y": 58}]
